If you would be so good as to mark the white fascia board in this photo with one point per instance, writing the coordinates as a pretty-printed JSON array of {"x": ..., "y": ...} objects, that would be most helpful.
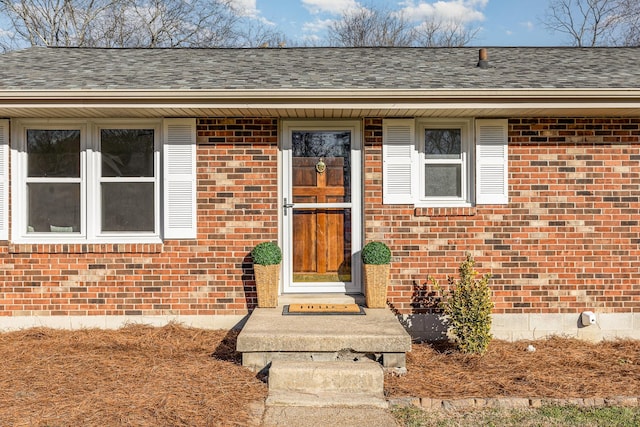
[
  {"x": 464, "y": 101},
  {"x": 426, "y": 106},
  {"x": 294, "y": 94}
]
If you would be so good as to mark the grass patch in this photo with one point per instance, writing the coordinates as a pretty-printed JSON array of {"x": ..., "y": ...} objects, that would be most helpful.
[{"x": 545, "y": 416}]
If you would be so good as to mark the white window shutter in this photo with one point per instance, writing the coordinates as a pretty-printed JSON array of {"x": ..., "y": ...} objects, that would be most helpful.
[
  {"x": 398, "y": 168},
  {"x": 4, "y": 179},
  {"x": 492, "y": 162},
  {"x": 179, "y": 179}
]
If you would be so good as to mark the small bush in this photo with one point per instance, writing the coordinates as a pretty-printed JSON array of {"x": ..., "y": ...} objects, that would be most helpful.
[
  {"x": 467, "y": 305},
  {"x": 266, "y": 253},
  {"x": 376, "y": 253}
]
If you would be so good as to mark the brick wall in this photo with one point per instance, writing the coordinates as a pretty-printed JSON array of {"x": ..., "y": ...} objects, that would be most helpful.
[
  {"x": 237, "y": 189},
  {"x": 568, "y": 240}
]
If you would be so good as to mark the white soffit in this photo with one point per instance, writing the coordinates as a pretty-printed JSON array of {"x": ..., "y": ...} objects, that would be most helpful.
[{"x": 322, "y": 103}]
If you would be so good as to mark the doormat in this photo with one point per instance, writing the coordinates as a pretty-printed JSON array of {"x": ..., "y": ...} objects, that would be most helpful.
[{"x": 322, "y": 309}]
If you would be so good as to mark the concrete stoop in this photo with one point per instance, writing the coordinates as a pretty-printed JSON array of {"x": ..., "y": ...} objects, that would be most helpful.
[
  {"x": 326, "y": 384},
  {"x": 269, "y": 336}
]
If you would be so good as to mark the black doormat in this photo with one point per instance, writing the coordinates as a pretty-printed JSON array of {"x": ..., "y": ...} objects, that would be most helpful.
[{"x": 322, "y": 309}]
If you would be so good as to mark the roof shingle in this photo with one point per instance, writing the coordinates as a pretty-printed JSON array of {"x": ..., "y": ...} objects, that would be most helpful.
[{"x": 41, "y": 68}]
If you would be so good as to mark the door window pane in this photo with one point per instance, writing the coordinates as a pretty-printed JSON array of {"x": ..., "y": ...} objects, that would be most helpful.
[
  {"x": 443, "y": 180},
  {"x": 53, "y": 153},
  {"x": 53, "y": 207},
  {"x": 321, "y": 166},
  {"x": 128, "y": 206},
  {"x": 127, "y": 152},
  {"x": 443, "y": 143}
]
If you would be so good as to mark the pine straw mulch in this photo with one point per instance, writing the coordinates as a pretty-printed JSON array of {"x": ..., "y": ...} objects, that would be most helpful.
[
  {"x": 146, "y": 376},
  {"x": 559, "y": 368},
  {"x": 138, "y": 375}
]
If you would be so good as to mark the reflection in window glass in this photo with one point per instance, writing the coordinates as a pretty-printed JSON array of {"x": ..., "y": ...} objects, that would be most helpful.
[
  {"x": 77, "y": 185},
  {"x": 328, "y": 150},
  {"x": 128, "y": 206},
  {"x": 443, "y": 180},
  {"x": 53, "y": 207},
  {"x": 443, "y": 143},
  {"x": 127, "y": 152},
  {"x": 53, "y": 153}
]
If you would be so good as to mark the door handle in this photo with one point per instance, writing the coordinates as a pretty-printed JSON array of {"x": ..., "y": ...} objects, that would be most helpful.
[{"x": 286, "y": 205}]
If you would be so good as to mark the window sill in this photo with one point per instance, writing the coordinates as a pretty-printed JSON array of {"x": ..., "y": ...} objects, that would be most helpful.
[
  {"x": 85, "y": 248},
  {"x": 445, "y": 211}
]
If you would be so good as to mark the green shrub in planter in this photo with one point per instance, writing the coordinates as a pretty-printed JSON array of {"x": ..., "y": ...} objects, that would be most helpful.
[
  {"x": 266, "y": 253},
  {"x": 376, "y": 257},
  {"x": 467, "y": 306},
  {"x": 376, "y": 253}
]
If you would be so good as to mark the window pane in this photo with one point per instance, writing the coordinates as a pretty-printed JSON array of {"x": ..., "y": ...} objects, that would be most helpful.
[
  {"x": 443, "y": 180},
  {"x": 321, "y": 166},
  {"x": 53, "y": 208},
  {"x": 128, "y": 206},
  {"x": 53, "y": 153},
  {"x": 442, "y": 143},
  {"x": 127, "y": 152}
]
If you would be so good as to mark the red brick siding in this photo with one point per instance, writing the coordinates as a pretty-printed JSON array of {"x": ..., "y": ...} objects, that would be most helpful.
[
  {"x": 568, "y": 240},
  {"x": 237, "y": 188}
]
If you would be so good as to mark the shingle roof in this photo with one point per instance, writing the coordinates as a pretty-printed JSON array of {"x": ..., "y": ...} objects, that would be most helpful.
[{"x": 319, "y": 68}]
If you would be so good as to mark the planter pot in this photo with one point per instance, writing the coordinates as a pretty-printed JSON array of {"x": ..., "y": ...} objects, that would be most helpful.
[
  {"x": 376, "y": 281},
  {"x": 267, "y": 278}
]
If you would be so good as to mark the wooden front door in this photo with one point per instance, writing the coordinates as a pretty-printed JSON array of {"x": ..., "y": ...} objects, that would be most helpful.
[{"x": 319, "y": 211}]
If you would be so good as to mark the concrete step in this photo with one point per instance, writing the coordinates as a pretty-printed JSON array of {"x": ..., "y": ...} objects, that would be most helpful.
[
  {"x": 269, "y": 336},
  {"x": 325, "y": 384}
]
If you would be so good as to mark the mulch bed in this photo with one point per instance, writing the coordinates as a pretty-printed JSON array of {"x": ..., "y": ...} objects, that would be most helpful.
[
  {"x": 138, "y": 375},
  {"x": 177, "y": 376},
  {"x": 558, "y": 368}
]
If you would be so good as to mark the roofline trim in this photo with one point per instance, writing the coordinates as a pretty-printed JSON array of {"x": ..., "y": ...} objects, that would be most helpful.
[
  {"x": 403, "y": 95},
  {"x": 320, "y": 106}
]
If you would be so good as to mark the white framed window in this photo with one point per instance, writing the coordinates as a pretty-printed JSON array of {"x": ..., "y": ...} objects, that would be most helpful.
[
  {"x": 99, "y": 181},
  {"x": 52, "y": 180},
  {"x": 445, "y": 162},
  {"x": 128, "y": 179}
]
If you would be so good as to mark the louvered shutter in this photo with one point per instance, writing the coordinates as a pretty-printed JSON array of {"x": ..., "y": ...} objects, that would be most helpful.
[
  {"x": 179, "y": 179},
  {"x": 398, "y": 168},
  {"x": 492, "y": 160},
  {"x": 4, "y": 179}
]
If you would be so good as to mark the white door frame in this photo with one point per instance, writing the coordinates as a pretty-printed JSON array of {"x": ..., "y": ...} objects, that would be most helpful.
[{"x": 355, "y": 127}]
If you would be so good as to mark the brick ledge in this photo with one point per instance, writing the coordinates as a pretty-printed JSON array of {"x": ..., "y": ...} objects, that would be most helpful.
[
  {"x": 102, "y": 248},
  {"x": 444, "y": 212}
]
